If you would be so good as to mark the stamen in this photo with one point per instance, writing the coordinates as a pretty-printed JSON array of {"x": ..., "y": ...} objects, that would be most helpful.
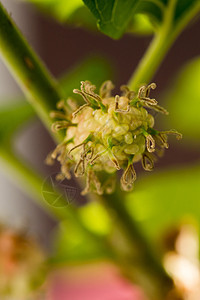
[
  {"x": 150, "y": 143},
  {"x": 76, "y": 91},
  {"x": 143, "y": 94},
  {"x": 97, "y": 184},
  {"x": 77, "y": 146},
  {"x": 173, "y": 132},
  {"x": 65, "y": 169},
  {"x": 128, "y": 178},
  {"x": 147, "y": 162},
  {"x": 163, "y": 139},
  {"x": 92, "y": 178},
  {"x": 88, "y": 153},
  {"x": 149, "y": 87},
  {"x": 88, "y": 89},
  {"x": 72, "y": 103},
  {"x": 57, "y": 115},
  {"x": 157, "y": 108},
  {"x": 79, "y": 169},
  {"x": 114, "y": 159},
  {"x": 117, "y": 109},
  {"x": 97, "y": 156},
  {"x": 57, "y": 151},
  {"x": 61, "y": 105},
  {"x": 60, "y": 177},
  {"x": 49, "y": 160},
  {"x": 88, "y": 183},
  {"x": 106, "y": 88},
  {"x": 58, "y": 125}
]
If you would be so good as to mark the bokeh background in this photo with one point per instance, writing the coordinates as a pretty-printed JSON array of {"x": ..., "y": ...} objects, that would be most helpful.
[{"x": 62, "y": 46}]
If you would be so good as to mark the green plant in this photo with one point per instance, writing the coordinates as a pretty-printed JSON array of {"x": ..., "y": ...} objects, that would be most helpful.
[{"x": 119, "y": 211}]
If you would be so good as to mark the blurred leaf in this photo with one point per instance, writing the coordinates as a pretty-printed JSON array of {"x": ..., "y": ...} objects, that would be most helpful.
[
  {"x": 74, "y": 245},
  {"x": 140, "y": 24},
  {"x": 82, "y": 17},
  {"x": 62, "y": 9},
  {"x": 12, "y": 116},
  {"x": 155, "y": 9},
  {"x": 183, "y": 102},
  {"x": 95, "y": 218},
  {"x": 183, "y": 7},
  {"x": 164, "y": 198},
  {"x": 94, "y": 69},
  {"x": 113, "y": 16},
  {"x": 72, "y": 12}
]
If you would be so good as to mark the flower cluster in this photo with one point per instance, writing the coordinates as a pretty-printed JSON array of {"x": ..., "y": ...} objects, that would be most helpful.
[{"x": 108, "y": 133}]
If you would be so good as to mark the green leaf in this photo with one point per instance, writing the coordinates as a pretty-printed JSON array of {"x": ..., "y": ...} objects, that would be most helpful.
[
  {"x": 140, "y": 24},
  {"x": 183, "y": 102},
  {"x": 162, "y": 199},
  {"x": 112, "y": 16},
  {"x": 115, "y": 16},
  {"x": 183, "y": 7},
  {"x": 12, "y": 116},
  {"x": 154, "y": 9}
]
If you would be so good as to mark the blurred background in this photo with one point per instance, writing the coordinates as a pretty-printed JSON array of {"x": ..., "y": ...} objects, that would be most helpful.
[{"x": 62, "y": 46}]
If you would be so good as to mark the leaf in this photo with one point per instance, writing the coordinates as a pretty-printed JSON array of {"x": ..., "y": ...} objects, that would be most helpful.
[
  {"x": 183, "y": 7},
  {"x": 112, "y": 15},
  {"x": 183, "y": 102},
  {"x": 166, "y": 198},
  {"x": 12, "y": 116},
  {"x": 140, "y": 24}
]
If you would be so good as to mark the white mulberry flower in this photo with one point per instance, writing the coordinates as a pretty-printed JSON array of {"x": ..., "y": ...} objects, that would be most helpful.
[{"x": 107, "y": 134}]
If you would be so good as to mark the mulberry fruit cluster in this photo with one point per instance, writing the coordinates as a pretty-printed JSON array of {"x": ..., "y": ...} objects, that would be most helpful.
[{"x": 108, "y": 133}]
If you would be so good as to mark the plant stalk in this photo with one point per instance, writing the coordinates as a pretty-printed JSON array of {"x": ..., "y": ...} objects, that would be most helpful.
[
  {"x": 160, "y": 45},
  {"x": 38, "y": 85}
]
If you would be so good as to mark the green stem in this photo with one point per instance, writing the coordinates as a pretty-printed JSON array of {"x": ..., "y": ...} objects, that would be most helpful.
[
  {"x": 150, "y": 61},
  {"x": 160, "y": 45},
  {"x": 40, "y": 88}
]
